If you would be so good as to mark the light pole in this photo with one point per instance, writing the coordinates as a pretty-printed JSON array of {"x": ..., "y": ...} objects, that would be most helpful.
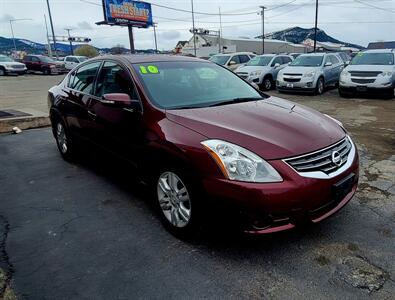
[
  {"x": 71, "y": 44},
  {"x": 263, "y": 28},
  {"x": 193, "y": 29},
  {"x": 12, "y": 29},
  {"x": 315, "y": 27},
  {"x": 53, "y": 31},
  {"x": 156, "y": 44}
]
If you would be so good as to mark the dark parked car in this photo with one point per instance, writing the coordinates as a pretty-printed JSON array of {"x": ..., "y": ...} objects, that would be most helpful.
[
  {"x": 44, "y": 64},
  {"x": 203, "y": 138}
]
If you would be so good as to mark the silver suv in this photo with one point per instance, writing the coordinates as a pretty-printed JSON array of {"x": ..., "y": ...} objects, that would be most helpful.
[
  {"x": 263, "y": 69},
  {"x": 232, "y": 60},
  {"x": 369, "y": 71},
  {"x": 311, "y": 72}
]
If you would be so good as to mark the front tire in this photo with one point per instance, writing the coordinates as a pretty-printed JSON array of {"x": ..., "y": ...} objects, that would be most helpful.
[
  {"x": 47, "y": 71},
  {"x": 64, "y": 140},
  {"x": 320, "y": 86},
  {"x": 267, "y": 84},
  {"x": 2, "y": 71},
  {"x": 180, "y": 213}
]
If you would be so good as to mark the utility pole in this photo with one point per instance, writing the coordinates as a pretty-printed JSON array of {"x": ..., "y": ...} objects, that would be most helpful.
[
  {"x": 49, "y": 43},
  {"x": 315, "y": 27},
  {"x": 53, "y": 31},
  {"x": 131, "y": 39},
  {"x": 71, "y": 44},
  {"x": 263, "y": 28},
  {"x": 193, "y": 29},
  {"x": 12, "y": 29},
  {"x": 220, "y": 31},
  {"x": 156, "y": 44}
]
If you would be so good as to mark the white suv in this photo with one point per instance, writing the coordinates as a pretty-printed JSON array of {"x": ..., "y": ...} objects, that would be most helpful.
[
  {"x": 369, "y": 71},
  {"x": 232, "y": 60},
  {"x": 10, "y": 66},
  {"x": 72, "y": 61}
]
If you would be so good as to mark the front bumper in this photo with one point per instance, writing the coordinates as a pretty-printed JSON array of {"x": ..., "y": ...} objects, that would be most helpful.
[
  {"x": 305, "y": 84},
  {"x": 16, "y": 70},
  {"x": 347, "y": 86},
  {"x": 281, "y": 206}
]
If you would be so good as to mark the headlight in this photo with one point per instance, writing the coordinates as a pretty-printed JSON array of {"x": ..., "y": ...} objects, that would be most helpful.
[
  {"x": 385, "y": 74},
  {"x": 345, "y": 73},
  {"x": 52, "y": 66},
  {"x": 240, "y": 164},
  {"x": 255, "y": 73},
  {"x": 309, "y": 74}
]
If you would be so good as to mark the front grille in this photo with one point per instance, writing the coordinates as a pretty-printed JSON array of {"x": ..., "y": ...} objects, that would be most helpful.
[
  {"x": 362, "y": 80},
  {"x": 18, "y": 66},
  {"x": 291, "y": 79},
  {"x": 365, "y": 73},
  {"x": 322, "y": 160},
  {"x": 292, "y": 74}
]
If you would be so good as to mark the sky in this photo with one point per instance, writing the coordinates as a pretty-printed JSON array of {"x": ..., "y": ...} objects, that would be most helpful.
[{"x": 354, "y": 21}]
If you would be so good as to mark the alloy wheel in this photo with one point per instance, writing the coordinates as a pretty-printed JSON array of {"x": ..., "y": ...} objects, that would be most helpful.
[
  {"x": 320, "y": 86},
  {"x": 61, "y": 137},
  {"x": 174, "y": 199},
  {"x": 267, "y": 84}
]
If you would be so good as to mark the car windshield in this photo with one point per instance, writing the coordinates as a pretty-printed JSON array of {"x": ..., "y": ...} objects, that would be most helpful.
[
  {"x": 307, "y": 61},
  {"x": 219, "y": 59},
  {"x": 176, "y": 85},
  {"x": 373, "y": 59},
  {"x": 259, "y": 61},
  {"x": 6, "y": 59},
  {"x": 47, "y": 59}
]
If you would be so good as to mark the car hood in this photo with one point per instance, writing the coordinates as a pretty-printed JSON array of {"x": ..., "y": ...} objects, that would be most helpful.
[
  {"x": 11, "y": 63},
  {"x": 298, "y": 70},
  {"x": 249, "y": 69},
  {"x": 374, "y": 68},
  {"x": 272, "y": 128}
]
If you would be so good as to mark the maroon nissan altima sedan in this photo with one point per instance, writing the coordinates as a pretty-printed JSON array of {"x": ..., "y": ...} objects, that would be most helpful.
[{"x": 202, "y": 137}]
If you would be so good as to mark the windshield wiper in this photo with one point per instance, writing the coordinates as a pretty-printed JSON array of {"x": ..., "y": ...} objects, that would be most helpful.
[{"x": 236, "y": 100}]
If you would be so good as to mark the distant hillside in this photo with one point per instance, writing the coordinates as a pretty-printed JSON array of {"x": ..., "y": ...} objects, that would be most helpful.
[
  {"x": 297, "y": 35},
  {"x": 7, "y": 45}
]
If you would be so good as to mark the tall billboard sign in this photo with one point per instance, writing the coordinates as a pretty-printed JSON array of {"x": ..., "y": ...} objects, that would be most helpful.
[{"x": 127, "y": 13}]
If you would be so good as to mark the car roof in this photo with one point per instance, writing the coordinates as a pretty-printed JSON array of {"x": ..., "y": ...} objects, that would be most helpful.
[
  {"x": 137, "y": 58},
  {"x": 379, "y": 51},
  {"x": 234, "y": 53}
]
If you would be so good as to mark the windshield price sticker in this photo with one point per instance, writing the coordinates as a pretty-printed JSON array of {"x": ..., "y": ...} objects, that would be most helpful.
[{"x": 149, "y": 69}]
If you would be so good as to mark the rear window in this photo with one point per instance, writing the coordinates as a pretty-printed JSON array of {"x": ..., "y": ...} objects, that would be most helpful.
[{"x": 363, "y": 58}]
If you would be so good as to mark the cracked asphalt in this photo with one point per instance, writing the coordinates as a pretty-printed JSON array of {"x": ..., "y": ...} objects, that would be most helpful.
[{"x": 88, "y": 230}]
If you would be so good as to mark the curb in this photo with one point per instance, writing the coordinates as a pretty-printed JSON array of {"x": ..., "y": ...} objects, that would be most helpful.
[{"x": 6, "y": 125}]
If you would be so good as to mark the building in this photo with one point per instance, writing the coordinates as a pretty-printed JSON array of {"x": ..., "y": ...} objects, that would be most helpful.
[
  {"x": 382, "y": 45},
  {"x": 328, "y": 46},
  {"x": 208, "y": 44}
]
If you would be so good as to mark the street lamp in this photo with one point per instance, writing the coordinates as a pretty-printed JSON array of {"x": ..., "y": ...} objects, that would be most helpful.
[{"x": 12, "y": 29}]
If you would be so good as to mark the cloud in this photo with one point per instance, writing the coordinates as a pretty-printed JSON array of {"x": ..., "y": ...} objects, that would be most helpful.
[
  {"x": 169, "y": 35},
  {"x": 84, "y": 25},
  {"x": 6, "y": 18}
]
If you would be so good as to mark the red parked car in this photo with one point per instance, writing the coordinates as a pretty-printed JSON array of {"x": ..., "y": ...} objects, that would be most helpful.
[
  {"x": 204, "y": 138},
  {"x": 44, "y": 64}
]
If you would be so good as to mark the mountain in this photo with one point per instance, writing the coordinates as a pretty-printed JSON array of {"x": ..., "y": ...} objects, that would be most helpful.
[
  {"x": 297, "y": 35},
  {"x": 7, "y": 45}
]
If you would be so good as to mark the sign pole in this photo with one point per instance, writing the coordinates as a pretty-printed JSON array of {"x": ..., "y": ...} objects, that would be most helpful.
[{"x": 131, "y": 39}]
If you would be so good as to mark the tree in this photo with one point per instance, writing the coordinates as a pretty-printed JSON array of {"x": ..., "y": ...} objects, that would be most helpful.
[
  {"x": 118, "y": 49},
  {"x": 86, "y": 50}
]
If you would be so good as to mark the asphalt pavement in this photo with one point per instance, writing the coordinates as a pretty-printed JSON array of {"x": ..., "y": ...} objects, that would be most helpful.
[{"x": 88, "y": 230}]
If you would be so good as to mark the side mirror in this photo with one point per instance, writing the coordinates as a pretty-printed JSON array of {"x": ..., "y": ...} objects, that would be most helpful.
[
  {"x": 328, "y": 64},
  {"x": 276, "y": 65},
  {"x": 347, "y": 63},
  {"x": 120, "y": 100},
  {"x": 231, "y": 63}
]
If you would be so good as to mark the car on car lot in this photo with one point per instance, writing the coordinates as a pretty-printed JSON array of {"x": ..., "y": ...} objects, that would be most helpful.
[
  {"x": 207, "y": 141},
  {"x": 232, "y": 60},
  {"x": 10, "y": 66},
  {"x": 72, "y": 61},
  {"x": 370, "y": 71},
  {"x": 310, "y": 73},
  {"x": 44, "y": 64},
  {"x": 263, "y": 69}
]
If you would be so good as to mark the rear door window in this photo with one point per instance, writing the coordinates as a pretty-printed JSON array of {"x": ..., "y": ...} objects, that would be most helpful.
[{"x": 83, "y": 79}]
